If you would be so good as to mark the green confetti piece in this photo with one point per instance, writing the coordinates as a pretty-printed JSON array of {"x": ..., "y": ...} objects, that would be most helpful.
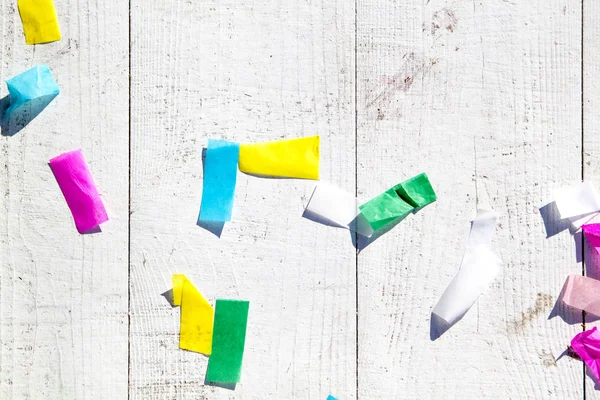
[
  {"x": 229, "y": 337},
  {"x": 385, "y": 209},
  {"x": 396, "y": 203},
  {"x": 416, "y": 191}
]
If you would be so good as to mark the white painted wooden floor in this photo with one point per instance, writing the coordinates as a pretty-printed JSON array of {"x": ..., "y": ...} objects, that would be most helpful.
[{"x": 496, "y": 100}]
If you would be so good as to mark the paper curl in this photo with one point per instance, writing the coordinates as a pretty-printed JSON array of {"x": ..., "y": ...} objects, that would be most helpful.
[
  {"x": 478, "y": 269},
  {"x": 196, "y": 322}
]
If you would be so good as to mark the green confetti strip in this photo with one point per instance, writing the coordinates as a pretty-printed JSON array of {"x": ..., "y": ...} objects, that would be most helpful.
[
  {"x": 229, "y": 338},
  {"x": 396, "y": 203},
  {"x": 416, "y": 191},
  {"x": 385, "y": 209}
]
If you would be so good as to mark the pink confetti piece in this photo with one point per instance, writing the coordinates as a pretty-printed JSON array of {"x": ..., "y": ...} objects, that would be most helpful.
[
  {"x": 581, "y": 293},
  {"x": 587, "y": 346},
  {"x": 77, "y": 185}
]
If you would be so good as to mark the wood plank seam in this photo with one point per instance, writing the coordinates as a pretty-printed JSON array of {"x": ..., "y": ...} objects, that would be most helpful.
[
  {"x": 129, "y": 211},
  {"x": 356, "y": 182},
  {"x": 583, "y": 178}
]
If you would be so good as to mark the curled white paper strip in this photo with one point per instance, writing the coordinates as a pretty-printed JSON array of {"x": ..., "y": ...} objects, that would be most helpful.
[
  {"x": 478, "y": 269},
  {"x": 577, "y": 200},
  {"x": 338, "y": 208}
]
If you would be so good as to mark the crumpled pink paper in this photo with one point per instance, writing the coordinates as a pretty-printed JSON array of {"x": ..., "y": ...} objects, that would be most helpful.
[
  {"x": 582, "y": 293},
  {"x": 587, "y": 346},
  {"x": 592, "y": 234},
  {"x": 77, "y": 185}
]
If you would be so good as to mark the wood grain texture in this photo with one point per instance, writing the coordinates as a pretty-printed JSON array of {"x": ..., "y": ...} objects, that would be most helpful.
[
  {"x": 484, "y": 97},
  {"x": 591, "y": 140},
  {"x": 63, "y": 296},
  {"x": 249, "y": 72}
]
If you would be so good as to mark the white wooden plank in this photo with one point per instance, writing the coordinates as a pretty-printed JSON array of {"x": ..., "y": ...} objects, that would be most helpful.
[
  {"x": 591, "y": 143},
  {"x": 485, "y": 98},
  {"x": 249, "y": 72},
  {"x": 63, "y": 296}
]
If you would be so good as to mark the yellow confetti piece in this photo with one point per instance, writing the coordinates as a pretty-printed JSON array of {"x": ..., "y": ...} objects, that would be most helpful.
[
  {"x": 196, "y": 326},
  {"x": 39, "y": 21},
  {"x": 293, "y": 158}
]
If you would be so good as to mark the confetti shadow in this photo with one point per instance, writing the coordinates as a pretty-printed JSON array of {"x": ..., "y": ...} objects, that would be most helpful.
[
  {"x": 22, "y": 116},
  {"x": 552, "y": 222},
  {"x": 168, "y": 295},
  {"x": 437, "y": 326},
  {"x": 228, "y": 386},
  {"x": 362, "y": 242}
]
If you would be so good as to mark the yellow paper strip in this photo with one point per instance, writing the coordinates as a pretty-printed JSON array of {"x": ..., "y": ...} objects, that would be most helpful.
[
  {"x": 196, "y": 326},
  {"x": 39, "y": 21},
  {"x": 293, "y": 158}
]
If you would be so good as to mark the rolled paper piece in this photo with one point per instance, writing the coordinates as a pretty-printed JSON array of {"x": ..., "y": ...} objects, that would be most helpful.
[
  {"x": 196, "y": 322},
  {"x": 39, "y": 21},
  {"x": 78, "y": 188},
  {"x": 587, "y": 346},
  {"x": 220, "y": 175},
  {"x": 417, "y": 191},
  {"x": 291, "y": 158},
  {"x": 592, "y": 234},
  {"x": 385, "y": 209},
  {"x": 35, "y": 84},
  {"x": 478, "y": 269},
  {"x": 229, "y": 338},
  {"x": 397, "y": 202},
  {"x": 330, "y": 397},
  {"x": 577, "y": 200},
  {"x": 339, "y": 208},
  {"x": 581, "y": 293}
]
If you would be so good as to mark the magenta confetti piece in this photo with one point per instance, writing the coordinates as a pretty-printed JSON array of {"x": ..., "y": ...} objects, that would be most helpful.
[
  {"x": 76, "y": 182},
  {"x": 592, "y": 233},
  {"x": 587, "y": 346}
]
